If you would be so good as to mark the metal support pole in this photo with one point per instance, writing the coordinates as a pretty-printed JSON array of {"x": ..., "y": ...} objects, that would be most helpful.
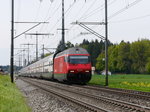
[
  {"x": 12, "y": 44},
  {"x": 43, "y": 51},
  {"x": 19, "y": 60},
  {"x": 28, "y": 54},
  {"x": 36, "y": 47},
  {"x": 23, "y": 58},
  {"x": 106, "y": 43},
  {"x": 63, "y": 26}
]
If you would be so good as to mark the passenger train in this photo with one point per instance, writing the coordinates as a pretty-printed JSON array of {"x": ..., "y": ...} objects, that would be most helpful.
[{"x": 72, "y": 65}]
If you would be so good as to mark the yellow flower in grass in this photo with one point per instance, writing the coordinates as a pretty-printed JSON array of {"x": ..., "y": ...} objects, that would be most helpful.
[
  {"x": 135, "y": 84},
  {"x": 148, "y": 85},
  {"x": 139, "y": 84},
  {"x": 126, "y": 83},
  {"x": 142, "y": 84}
]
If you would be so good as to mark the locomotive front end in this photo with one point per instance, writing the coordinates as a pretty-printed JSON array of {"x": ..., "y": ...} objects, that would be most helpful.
[{"x": 79, "y": 68}]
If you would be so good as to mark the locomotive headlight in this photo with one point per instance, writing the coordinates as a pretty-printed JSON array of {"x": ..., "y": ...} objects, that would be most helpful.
[
  {"x": 71, "y": 71},
  {"x": 87, "y": 71}
]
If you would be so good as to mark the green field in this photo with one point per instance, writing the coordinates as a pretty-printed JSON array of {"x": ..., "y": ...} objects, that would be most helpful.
[
  {"x": 11, "y": 100},
  {"x": 134, "y": 82}
]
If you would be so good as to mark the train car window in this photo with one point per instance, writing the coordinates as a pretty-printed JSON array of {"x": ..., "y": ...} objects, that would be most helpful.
[
  {"x": 46, "y": 70},
  {"x": 79, "y": 59}
]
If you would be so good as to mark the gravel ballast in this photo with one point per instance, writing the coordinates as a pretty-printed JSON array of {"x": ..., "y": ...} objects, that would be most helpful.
[{"x": 41, "y": 101}]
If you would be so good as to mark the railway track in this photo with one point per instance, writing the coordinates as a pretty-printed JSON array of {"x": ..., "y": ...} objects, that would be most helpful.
[
  {"x": 90, "y": 106},
  {"x": 86, "y": 105},
  {"x": 130, "y": 93}
]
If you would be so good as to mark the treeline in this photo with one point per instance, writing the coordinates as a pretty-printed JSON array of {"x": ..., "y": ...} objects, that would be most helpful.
[
  {"x": 94, "y": 48},
  {"x": 127, "y": 57},
  {"x": 7, "y": 68}
]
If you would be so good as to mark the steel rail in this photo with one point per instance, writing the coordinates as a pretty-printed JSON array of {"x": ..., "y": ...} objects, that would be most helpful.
[
  {"x": 130, "y": 93},
  {"x": 76, "y": 101},
  {"x": 118, "y": 103}
]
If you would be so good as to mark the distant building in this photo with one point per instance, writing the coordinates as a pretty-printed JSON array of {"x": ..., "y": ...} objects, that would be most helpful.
[
  {"x": 93, "y": 70},
  {"x": 104, "y": 72},
  {"x": 1, "y": 71}
]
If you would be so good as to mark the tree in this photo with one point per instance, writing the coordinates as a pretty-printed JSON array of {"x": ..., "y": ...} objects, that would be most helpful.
[
  {"x": 128, "y": 57},
  {"x": 69, "y": 45},
  {"x": 148, "y": 66},
  {"x": 100, "y": 65},
  {"x": 123, "y": 59},
  {"x": 139, "y": 55},
  {"x": 113, "y": 58}
]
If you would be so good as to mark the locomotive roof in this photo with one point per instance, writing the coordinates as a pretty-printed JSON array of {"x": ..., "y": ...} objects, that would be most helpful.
[{"x": 73, "y": 50}]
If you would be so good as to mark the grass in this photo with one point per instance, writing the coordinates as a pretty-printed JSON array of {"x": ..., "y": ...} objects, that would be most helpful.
[
  {"x": 11, "y": 99},
  {"x": 132, "y": 81}
]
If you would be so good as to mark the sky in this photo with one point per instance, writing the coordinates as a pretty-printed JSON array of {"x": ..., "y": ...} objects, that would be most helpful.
[{"x": 126, "y": 21}]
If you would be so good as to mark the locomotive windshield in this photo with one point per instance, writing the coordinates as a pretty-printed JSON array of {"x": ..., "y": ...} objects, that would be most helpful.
[{"x": 79, "y": 59}]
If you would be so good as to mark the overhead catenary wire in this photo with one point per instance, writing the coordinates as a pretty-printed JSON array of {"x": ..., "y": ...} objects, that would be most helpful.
[
  {"x": 128, "y": 5},
  {"x": 122, "y": 10},
  {"x": 38, "y": 10},
  {"x": 88, "y": 9},
  {"x": 53, "y": 27},
  {"x": 131, "y": 19},
  {"x": 125, "y": 8},
  {"x": 95, "y": 11},
  {"x": 58, "y": 20},
  {"x": 47, "y": 17},
  {"x": 50, "y": 17},
  {"x": 81, "y": 17},
  {"x": 72, "y": 26}
]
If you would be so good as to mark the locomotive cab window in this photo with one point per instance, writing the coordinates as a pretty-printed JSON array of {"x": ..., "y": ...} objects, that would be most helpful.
[{"x": 79, "y": 59}]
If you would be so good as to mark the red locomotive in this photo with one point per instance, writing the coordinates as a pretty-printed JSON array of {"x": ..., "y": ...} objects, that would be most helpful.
[{"x": 72, "y": 65}]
